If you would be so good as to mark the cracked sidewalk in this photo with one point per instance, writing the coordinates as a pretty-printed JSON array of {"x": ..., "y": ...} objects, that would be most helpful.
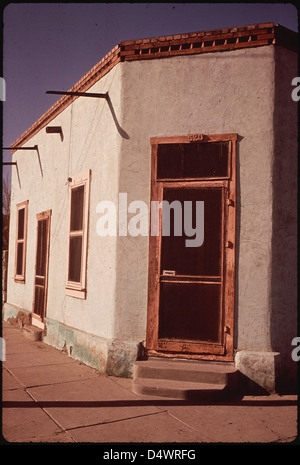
[{"x": 49, "y": 397}]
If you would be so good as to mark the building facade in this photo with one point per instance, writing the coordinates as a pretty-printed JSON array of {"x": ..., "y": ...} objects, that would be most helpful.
[{"x": 204, "y": 117}]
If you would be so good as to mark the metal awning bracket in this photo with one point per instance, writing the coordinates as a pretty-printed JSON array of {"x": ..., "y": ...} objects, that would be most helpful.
[
  {"x": 35, "y": 147},
  {"x": 78, "y": 94}
]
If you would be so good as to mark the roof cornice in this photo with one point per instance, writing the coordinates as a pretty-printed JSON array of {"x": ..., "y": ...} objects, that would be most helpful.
[{"x": 217, "y": 40}]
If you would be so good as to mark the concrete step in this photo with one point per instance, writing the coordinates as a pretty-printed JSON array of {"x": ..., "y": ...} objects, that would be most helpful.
[
  {"x": 182, "y": 390},
  {"x": 194, "y": 371},
  {"x": 33, "y": 332},
  {"x": 184, "y": 379}
]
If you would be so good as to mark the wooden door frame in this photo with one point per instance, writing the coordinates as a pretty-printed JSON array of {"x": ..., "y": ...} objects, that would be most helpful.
[
  {"x": 153, "y": 347},
  {"x": 46, "y": 215}
]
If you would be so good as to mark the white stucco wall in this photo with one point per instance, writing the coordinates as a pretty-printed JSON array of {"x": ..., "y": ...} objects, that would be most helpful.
[
  {"x": 90, "y": 141},
  {"x": 212, "y": 94}
]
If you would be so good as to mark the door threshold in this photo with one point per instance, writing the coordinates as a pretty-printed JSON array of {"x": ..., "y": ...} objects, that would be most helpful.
[
  {"x": 179, "y": 360},
  {"x": 192, "y": 357},
  {"x": 36, "y": 321}
]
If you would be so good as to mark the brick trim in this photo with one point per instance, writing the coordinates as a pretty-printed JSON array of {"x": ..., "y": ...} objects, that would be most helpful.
[{"x": 217, "y": 40}]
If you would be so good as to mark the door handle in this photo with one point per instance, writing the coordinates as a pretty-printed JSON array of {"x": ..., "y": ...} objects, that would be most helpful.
[{"x": 169, "y": 272}]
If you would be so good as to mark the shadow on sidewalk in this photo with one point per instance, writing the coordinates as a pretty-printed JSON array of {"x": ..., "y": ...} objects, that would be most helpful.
[{"x": 239, "y": 402}]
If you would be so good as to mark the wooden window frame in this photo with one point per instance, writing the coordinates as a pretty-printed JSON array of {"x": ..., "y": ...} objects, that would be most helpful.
[
  {"x": 78, "y": 289},
  {"x": 20, "y": 278}
]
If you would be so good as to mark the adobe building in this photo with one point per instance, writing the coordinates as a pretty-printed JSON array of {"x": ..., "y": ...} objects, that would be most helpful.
[{"x": 205, "y": 117}]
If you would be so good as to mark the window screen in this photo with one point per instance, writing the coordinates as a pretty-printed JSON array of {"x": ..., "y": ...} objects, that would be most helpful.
[
  {"x": 21, "y": 241},
  {"x": 193, "y": 160},
  {"x": 189, "y": 311},
  {"x": 204, "y": 260},
  {"x": 76, "y": 234}
]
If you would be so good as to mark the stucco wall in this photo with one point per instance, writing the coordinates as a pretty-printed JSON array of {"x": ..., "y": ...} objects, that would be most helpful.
[
  {"x": 210, "y": 93},
  {"x": 284, "y": 241},
  {"x": 90, "y": 141}
]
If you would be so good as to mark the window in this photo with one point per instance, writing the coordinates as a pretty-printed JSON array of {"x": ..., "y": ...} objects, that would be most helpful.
[
  {"x": 77, "y": 242},
  {"x": 204, "y": 160},
  {"x": 21, "y": 236}
]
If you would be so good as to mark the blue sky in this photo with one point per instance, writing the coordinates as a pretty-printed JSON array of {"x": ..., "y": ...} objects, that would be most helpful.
[{"x": 50, "y": 46}]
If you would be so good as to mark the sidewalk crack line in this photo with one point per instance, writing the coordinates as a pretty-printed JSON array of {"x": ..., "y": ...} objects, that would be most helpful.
[
  {"x": 116, "y": 421},
  {"x": 51, "y": 417}
]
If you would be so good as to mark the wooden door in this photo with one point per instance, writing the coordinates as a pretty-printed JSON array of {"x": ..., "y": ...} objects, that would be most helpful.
[
  {"x": 41, "y": 265},
  {"x": 191, "y": 288}
]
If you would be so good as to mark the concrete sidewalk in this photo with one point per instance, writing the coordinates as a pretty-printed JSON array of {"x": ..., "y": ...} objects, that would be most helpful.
[{"x": 50, "y": 398}]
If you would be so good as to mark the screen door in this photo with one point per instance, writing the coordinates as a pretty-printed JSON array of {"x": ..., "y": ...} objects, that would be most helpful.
[{"x": 191, "y": 279}]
